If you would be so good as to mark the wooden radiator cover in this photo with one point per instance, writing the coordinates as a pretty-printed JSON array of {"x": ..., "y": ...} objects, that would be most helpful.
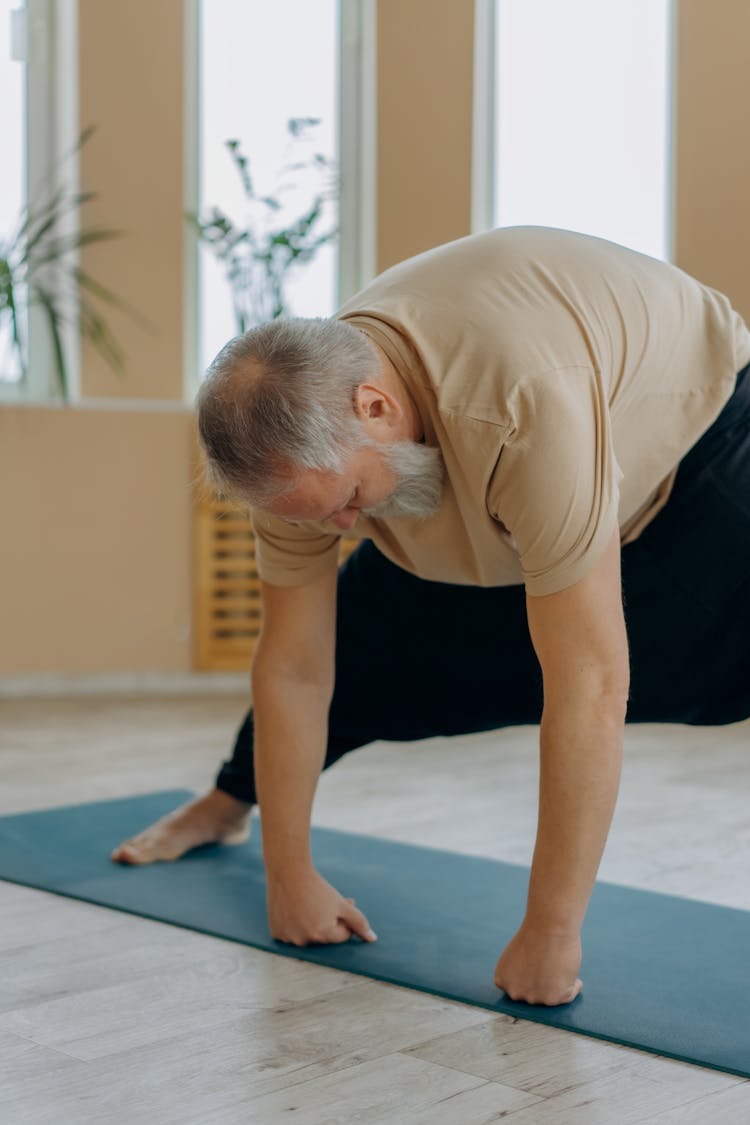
[{"x": 227, "y": 613}]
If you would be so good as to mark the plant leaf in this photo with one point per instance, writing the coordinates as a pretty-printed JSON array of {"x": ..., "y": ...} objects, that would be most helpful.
[
  {"x": 98, "y": 290},
  {"x": 94, "y": 328},
  {"x": 55, "y": 249},
  {"x": 296, "y": 125},
  {"x": 8, "y": 301},
  {"x": 47, "y": 220},
  {"x": 53, "y": 320}
]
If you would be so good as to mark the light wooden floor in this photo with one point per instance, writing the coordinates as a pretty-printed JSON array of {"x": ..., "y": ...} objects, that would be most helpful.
[{"x": 106, "y": 1017}]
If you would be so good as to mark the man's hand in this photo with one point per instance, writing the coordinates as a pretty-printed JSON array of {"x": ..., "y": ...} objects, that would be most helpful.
[
  {"x": 305, "y": 909},
  {"x": 540, "y": 969}
]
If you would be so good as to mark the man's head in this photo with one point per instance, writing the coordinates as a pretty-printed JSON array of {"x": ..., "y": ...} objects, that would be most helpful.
[{"x": 307, "y": 419}]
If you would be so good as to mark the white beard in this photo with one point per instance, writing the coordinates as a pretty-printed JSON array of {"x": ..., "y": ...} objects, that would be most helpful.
[{"x": 420, "y": 472}]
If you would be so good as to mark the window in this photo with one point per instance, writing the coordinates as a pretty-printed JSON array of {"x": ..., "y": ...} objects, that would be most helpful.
[
  {"x": 582, "y": 133},
  {"x": 12, "y": 181},
  {"x": 38, "y": 89},
  {"x": 260, "y": 66}
]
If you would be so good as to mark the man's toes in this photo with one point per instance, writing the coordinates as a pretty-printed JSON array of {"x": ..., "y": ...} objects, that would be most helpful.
[{"x": 129, "y": 852}]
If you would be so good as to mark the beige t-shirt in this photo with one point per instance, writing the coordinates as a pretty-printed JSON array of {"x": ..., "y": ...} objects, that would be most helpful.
[{"x": 563, "y": 378}]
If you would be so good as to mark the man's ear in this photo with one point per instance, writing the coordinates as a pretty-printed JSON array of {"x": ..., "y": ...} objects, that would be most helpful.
[{"x": 374, "y": 405}]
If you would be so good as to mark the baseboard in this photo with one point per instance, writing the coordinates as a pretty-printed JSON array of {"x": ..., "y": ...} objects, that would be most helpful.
[{"x": 126, "y": 683}]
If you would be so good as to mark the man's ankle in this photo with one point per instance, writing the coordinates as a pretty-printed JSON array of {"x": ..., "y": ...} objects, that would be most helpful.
[{"x": 231, "y": 803}]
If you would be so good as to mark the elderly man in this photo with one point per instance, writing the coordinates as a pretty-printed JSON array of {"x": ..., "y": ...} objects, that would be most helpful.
[{"x": 544, "y": 439}]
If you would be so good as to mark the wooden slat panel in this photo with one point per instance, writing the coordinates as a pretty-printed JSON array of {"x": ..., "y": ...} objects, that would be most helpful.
[{"x": 231, "y": 586}]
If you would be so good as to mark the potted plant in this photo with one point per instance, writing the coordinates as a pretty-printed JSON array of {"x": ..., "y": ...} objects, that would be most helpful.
[
  {"x": 39, "y": 267},
  {"x": 258, "y": 255}
]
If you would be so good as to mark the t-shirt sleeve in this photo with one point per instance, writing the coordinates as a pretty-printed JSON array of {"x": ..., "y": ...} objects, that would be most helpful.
[
  {"x": 292, "y": 554},
  {"x": 555, "y": 484}
]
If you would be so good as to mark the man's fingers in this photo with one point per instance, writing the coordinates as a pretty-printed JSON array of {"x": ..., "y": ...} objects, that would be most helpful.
[
  {"x": 357, "y": 923},
  {"x": 574, "y": 991},
  {"x": 531, "y": 996},
  {"x": 578, "y": 987}
]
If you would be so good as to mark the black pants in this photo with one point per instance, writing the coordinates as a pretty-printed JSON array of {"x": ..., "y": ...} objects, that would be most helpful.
[{"x": 417, "y": 658}]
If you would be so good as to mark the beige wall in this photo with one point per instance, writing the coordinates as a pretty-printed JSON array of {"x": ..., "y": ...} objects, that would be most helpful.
[
  {"x": 96, "y": 503},
  {"x": 96, "y": 555},
  {"x": 712, "y": 171},
  {"x": 96, "y": 534},
  {"x": 424, "y": 76},
  {"x": 131, "y": 89}
]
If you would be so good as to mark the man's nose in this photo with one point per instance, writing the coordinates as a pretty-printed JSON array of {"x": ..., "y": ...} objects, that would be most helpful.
[{"x": 346, "y": 519}]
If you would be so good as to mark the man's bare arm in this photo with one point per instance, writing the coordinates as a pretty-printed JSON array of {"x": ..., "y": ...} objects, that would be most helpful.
[
  {"x": 293, "y": 679},
  {"x": 579, "y": 636}
]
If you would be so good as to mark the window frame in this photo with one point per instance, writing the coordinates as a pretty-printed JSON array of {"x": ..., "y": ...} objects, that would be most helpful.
[
  {"x": 356, "y": 135},
  {"x": 484, "y": 132}
]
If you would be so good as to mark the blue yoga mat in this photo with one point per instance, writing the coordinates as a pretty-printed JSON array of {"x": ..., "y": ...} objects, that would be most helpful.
[{"x": 661, "y": 973}]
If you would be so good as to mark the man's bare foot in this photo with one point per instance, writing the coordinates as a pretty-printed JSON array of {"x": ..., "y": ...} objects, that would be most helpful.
[{"x": 213, "y": 818}]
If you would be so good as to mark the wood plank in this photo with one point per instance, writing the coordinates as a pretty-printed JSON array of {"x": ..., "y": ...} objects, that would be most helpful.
[
  {"x": 728, "y": 1107},
  {"x": 392, "y": 1088}
]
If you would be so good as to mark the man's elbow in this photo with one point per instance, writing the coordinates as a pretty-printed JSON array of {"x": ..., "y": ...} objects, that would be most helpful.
[
  {"x": 613, "y": 698},
  {"x": 607, "y": 695},
  {"x": 308, "y": 665},
  {"x": 604, "y": 693}
]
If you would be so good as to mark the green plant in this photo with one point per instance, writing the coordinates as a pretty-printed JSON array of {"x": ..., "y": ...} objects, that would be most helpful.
[
  {"x": 38, "y": 267},
  {"x": 258, "y": 257}
]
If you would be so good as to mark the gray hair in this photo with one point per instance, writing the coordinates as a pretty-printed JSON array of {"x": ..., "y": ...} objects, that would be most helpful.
[{"x": 280, "y": 398}]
